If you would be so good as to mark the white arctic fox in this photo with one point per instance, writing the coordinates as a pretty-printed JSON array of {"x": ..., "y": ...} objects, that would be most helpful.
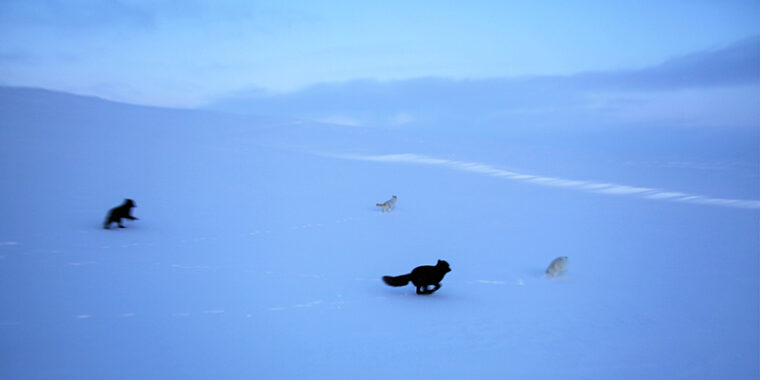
[
  {"x": 388, "y": 205},
  {"x": 557, "y": 267}
]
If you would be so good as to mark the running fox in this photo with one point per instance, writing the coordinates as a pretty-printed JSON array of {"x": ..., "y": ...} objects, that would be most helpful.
[
  {"x": 557, "y": 267},
  {"x": 116, "y": 214},
  {"x": 422, "y": 277},
  {"x": 388, "y": 205}
]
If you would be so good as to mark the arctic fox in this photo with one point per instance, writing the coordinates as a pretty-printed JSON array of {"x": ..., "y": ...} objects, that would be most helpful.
[
  {"x": 116, "y": 214},
  {"x": 422, "y": 277},
  {"x": 557, "y": 267},
  {"x": 388, "y": 205}
]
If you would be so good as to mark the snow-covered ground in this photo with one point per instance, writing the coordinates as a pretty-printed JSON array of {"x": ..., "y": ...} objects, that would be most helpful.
[{"x": 259, "y": 251}]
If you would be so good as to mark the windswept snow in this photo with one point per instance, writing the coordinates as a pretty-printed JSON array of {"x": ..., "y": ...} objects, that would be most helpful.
[
  {"x": 253, "y": 259},
  {"x": 590, "y": 186}
]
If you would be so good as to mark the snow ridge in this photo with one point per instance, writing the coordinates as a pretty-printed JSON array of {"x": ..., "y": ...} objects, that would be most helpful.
[{"x": 582, "y": 185}]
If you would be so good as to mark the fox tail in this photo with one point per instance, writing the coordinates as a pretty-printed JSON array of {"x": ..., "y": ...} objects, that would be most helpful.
[{"x": 398, "y": 280}]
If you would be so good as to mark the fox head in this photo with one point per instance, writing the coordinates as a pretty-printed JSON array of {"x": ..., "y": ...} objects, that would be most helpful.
[{"x": 443, "y": 265}]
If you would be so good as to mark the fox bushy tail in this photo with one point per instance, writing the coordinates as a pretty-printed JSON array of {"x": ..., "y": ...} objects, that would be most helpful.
[{"x": 398, "y": 280}]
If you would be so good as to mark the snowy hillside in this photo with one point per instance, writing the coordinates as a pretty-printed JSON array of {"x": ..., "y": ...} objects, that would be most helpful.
[{"x": 259, "y": 250}]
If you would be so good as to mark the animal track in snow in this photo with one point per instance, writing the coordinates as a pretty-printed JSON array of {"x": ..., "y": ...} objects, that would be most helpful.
[
  {"x": 519, "y": 282},
  {"x": 296, "y": 306},
  {"x": 79, "y": 264},
  {"x": 181, "y": 266}
]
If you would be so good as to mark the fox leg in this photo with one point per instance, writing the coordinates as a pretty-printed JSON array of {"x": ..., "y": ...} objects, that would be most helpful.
[{"x": 423, "y": 289}]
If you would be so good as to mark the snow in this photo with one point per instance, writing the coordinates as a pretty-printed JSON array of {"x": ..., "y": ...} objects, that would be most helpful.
[{"x": 259, "y": 251}]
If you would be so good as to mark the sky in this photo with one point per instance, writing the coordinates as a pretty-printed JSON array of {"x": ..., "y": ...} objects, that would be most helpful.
[
  {"x": 713, "y": 88},
  {"x": 194, "y": 53}
]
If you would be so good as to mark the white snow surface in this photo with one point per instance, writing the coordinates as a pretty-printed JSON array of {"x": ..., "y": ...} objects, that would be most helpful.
[{"x": 258, "y": 251}]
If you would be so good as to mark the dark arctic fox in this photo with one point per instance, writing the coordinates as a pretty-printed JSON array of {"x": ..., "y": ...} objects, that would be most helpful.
[
  {"x": 116, "y": 214},
  {"x": 422, "y": 277}
]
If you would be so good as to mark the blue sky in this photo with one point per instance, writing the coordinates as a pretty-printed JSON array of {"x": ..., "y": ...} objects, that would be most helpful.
[{"x": 192, "y": 53}]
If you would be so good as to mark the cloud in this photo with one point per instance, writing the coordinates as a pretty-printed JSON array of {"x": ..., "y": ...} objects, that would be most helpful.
[
  {"x": 16, "y": 56},
  {"x": 75, "y": 15},
  {"x": 90, "y": 15},
  {"x": 736, "y": 64},
  {"x": 716, "y": 86}
]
